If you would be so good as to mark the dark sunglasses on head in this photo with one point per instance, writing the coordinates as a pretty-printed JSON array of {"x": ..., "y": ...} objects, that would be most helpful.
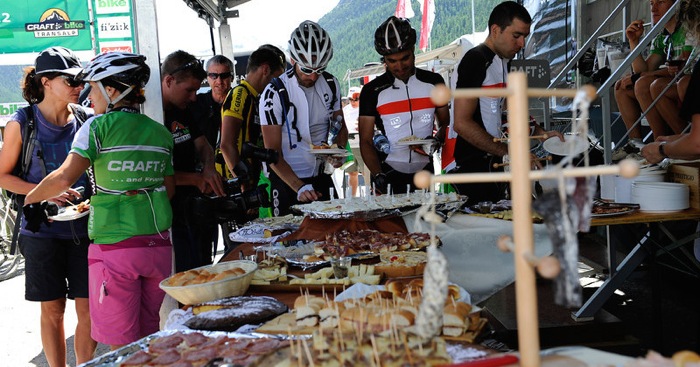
[
  {"x": 71, "y": 81},
  {"x": 194, "y": 64},
  {"x": 219, "y": 75},
  {"x": 309, "y": 71}
]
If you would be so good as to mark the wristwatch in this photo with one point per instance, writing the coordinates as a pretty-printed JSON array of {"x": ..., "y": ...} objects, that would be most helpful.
[{"x": 662, "y": 150}]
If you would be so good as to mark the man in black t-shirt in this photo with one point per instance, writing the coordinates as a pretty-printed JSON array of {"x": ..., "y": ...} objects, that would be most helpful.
[
  {"x": 181, "y": 77},
  {"x": 478, "y": 120},
  {"x": 207, "y": 114}
]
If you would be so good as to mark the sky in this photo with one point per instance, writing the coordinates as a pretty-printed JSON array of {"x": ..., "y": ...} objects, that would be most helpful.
[{"x": 260, "y": 22}]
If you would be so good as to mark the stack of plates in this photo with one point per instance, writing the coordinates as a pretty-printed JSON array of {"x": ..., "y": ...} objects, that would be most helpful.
[
  {"x": 623, "y": 186},
  {"x": 661, "y": 196}
]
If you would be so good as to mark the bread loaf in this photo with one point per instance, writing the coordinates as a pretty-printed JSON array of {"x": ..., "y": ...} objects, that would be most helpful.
[{"x": 228, "y": 314}]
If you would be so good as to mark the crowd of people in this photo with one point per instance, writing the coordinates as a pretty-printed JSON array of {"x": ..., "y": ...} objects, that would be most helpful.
[{"x": 142, "y": 176}]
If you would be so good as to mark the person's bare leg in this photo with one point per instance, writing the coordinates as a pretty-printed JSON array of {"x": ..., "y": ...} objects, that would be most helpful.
[
  {"x": 629, "y": 110},
  {"x": 53, "y": 336},
  {"x": 353, "y": 182},
  {"x": 642, "y": 89},
  {"x": 84, "y": 344},
  {"x": 667, "y": 106}
]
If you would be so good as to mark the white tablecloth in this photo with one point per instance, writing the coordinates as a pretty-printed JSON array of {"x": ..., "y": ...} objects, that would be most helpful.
[{"x": 474, "y": 260}]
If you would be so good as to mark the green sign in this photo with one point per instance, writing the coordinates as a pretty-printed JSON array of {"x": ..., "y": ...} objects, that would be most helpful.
[{"x": 33, "y": 25}]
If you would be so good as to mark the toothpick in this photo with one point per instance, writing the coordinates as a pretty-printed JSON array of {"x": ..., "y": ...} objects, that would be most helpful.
[
  {"x": 374, "y": 350},
  {"x": 407, "y": 349},
  {"x": 308, "y": 354}
]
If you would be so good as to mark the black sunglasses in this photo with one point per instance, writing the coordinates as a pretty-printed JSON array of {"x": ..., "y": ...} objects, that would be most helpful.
[
  {"x": 71, "y": 81},
  {"x": 194, "y": 64},
  {"x": 220, "y": 75}
]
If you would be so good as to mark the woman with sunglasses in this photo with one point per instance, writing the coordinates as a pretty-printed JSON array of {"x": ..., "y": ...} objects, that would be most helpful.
[
  {"x": 56, "y": 254},
  {"x": 294, "y": 126}
]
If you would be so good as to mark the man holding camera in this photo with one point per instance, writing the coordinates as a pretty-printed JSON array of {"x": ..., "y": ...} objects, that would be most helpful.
[
  {"x": 193, "y": 160},
  {"x": 241, "y": 120}
]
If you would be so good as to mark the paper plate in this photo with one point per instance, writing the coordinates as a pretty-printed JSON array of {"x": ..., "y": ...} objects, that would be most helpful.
[
  {"x": 573, "y": 145},
  {"x": 329, "y": 151},
  {"x": 69, "y": 213},
  {"x": 414, "y": 142}
]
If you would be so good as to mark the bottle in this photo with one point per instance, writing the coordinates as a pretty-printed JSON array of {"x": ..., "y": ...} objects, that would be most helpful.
[
  {"x": 334, "y": 128},
  {"x": 381, "y": 142}
]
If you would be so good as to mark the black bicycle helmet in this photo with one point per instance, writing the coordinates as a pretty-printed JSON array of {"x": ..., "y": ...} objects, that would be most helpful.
[
  {"x": 394, "y": 35},
  {"x": 310, "y": 45}
]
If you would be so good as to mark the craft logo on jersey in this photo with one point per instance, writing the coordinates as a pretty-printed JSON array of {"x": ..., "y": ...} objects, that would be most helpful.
[{"x": 55, "y": 22}]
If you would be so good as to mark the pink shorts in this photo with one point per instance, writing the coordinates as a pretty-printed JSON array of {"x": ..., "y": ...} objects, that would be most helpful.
[{"x": 124, "y": 295}]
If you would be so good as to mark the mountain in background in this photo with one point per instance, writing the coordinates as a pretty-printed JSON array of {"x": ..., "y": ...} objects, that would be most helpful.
[
  {"x": 10, "y": 76},
  {"x": 352, "y": 23}
]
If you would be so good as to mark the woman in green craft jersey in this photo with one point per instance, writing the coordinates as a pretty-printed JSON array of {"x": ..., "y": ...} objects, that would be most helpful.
[{"x": 130, "y": 158}]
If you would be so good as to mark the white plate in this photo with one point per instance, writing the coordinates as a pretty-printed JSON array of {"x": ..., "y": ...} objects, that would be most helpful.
[
  {"x": 414, "y": 142},
  {"x": 330, "y": 151},
  {"x": 556, "y": 146},
  {"x": 70, "y": 213}
]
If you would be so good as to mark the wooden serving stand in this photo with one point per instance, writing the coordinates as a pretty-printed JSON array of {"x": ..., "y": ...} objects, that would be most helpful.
[{"x": 520, "y": 175}]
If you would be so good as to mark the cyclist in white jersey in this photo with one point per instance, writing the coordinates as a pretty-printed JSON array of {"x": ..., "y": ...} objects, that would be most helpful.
[
  {"x": 130, "y": 214},
  {"x": 398, "y": 104},
  {"x": 292, "y": 126}
]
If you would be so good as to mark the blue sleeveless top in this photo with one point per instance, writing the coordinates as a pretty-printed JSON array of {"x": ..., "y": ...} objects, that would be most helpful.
[{"x": 53, "y": 143}]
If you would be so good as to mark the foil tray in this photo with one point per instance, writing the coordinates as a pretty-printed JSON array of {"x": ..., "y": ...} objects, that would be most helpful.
[
  {"x": 364, "y": 209},
  {"x": 116, "y": 357}
]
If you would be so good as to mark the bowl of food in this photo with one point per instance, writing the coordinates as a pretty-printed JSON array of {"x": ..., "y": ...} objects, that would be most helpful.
[{"x": 210, "y": 282}]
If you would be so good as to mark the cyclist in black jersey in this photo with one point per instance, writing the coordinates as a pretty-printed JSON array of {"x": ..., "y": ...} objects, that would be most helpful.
[
  {"x": 477, "y": 121},
  {"x": 398, "y": 104}
]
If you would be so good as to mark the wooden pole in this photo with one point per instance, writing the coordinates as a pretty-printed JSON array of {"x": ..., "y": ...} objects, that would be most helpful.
[{"x": 521, "y": 196}]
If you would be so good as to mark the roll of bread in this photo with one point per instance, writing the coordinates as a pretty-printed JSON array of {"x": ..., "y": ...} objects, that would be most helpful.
[
  {"x": 329, "y": 316},
  {"x": 453, "y": 292},
  {"x": 233, "y": 272},
  {"x": 307, "y": 310},
  {"x": 395, "y": 287},
  {"x": 180, "y": 278},
  {"x": 402, "y": 318},
  {"x": 455, "y": 318}
]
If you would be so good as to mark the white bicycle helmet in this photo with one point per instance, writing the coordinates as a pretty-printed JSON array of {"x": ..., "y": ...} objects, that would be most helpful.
[
  {"x": 120, "y": 70},
  {"x": 394, "y": 35},
  {"x": 310, "y": 45}
]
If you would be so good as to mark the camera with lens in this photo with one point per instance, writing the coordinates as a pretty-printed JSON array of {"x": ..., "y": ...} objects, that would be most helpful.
[
  {"x": 248, "y": 173},
  {"x": 234, "y": 206}
]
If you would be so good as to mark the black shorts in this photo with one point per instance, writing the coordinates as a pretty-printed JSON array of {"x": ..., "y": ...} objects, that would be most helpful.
[
  {"x": 283, "y": 197},
  {"x": 54, "y": 268},
  {"x": 481, "y": 191}
]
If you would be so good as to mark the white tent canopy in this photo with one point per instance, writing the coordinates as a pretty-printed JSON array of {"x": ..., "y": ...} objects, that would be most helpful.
[{"x": 439, "y": 60}]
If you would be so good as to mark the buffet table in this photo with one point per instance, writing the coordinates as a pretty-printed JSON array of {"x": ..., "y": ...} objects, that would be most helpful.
[{"x": 469, "y": 243}]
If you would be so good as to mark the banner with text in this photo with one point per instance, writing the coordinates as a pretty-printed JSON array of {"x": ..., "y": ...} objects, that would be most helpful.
[
  {"x": 33, "y": 25},
  {"x": 114, "y": 26}
]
